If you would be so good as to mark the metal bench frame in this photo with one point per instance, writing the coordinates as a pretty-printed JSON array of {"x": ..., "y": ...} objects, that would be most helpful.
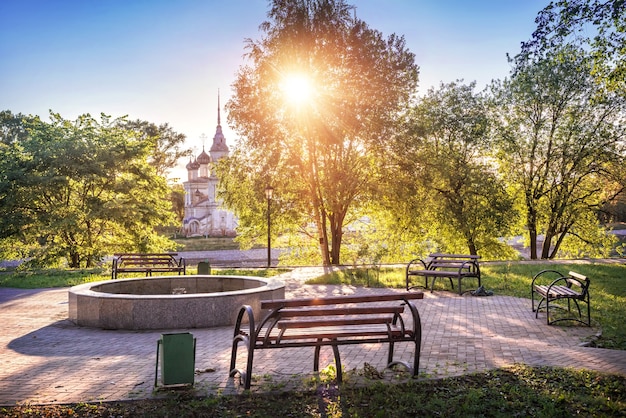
[
  {"x": 560, "y": 289},
  {"x": 441, "y": 265},
  {"x": 330, "y": 321}
]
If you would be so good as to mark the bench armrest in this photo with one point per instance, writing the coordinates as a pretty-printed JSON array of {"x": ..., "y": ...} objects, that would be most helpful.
[
  {"x": 548, "y": 274},
  {"x": 471, "y": 265},
  {"x": 414, "y": 262},
  {"x": 244, "y": 311}
]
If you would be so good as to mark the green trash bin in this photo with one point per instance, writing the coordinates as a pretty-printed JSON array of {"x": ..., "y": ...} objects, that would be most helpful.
[
  {"x": 178, "y": 358},
  {"x": 204, "y": 267}
]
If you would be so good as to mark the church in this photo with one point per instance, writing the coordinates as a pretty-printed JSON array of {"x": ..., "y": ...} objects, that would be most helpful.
[{"x": 204, "y": 214}]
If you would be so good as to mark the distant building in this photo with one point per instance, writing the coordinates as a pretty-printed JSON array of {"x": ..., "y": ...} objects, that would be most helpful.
[{"x": 204, "y": 214}]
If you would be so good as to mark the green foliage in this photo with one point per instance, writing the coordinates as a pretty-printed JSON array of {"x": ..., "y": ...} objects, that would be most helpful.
[
  {"x": 442, "y": 178},
  {"x": 573, "y": 21},
  {"x": 177, "y": 197},
  {"x": 72, "y": 192},
  {"x": 165, "y": 144}
]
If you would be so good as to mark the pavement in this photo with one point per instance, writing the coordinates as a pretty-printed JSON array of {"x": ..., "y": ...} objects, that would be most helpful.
[{"x": 44, "y": 358}]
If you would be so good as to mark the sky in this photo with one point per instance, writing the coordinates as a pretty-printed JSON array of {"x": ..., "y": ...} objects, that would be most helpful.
[{"x": 164, "y": 61}]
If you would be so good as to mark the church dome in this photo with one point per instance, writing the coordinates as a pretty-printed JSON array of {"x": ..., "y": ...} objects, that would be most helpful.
[
  {"x": 203, "y": 158},
  {"x": 193, "y": 165}
]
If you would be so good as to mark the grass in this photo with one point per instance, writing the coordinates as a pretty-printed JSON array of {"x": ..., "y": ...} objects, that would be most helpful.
[
  {"x": 608, "y": 288},
  {"x": 515, "y": 391},
  {"x": 49, "y": 278}
]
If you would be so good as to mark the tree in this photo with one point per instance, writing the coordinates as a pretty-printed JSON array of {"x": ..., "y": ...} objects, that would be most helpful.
[
  {"x": 571, "y": 21},
  {"x": 561, "y": 142},
  {"x": 177, "y": 198},
  {"x": 12, "y": 170},
  {"x": 320, "y": 154},
  {"x": 78, "y": 190},
  {"x": 165, "y": 143},
  {"x": 443, "y": 180}
]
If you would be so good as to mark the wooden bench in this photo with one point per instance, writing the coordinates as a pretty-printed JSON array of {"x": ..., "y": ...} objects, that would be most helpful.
[
  {"x": 573, "y": 287},
  {"x": 147, "y": 263},
  {"x": 330, "y": 321},
  {"x": 440, "y": 265}
]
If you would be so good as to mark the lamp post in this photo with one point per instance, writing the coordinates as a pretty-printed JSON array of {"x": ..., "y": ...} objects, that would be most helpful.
[{"x": 269, "y": 190}]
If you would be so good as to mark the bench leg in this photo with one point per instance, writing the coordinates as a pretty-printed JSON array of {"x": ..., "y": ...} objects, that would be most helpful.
[
  {"x": 390, "y": 354},
  {"x": 316, "y": 358},
  {"x": 408, "y": 283},
  {"x": 338, "y": 363},
  {"x": 245, "y": 376},
  {"x": 432, "y": 285}
]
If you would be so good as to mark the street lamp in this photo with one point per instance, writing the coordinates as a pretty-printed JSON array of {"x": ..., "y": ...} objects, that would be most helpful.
[{"x": 269, "y": 190}]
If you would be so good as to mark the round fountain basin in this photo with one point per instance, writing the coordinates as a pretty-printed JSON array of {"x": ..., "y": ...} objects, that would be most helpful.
[{"x": 169, "y": 302}]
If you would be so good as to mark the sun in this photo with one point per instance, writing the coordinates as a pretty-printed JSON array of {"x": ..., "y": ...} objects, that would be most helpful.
[{"x": 297, "y": 88}]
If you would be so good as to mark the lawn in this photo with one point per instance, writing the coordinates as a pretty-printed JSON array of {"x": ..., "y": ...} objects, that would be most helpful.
[
  {"x": 516, "y": 391},
  {"x": 42, "y": 279}
]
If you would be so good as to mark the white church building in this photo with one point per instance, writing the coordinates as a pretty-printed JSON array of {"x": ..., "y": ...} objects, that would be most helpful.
[{"x": 204, "y": 214}]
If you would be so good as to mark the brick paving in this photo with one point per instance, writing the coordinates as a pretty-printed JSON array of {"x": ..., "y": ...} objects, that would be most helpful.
[{"x": 44, "y": 358}]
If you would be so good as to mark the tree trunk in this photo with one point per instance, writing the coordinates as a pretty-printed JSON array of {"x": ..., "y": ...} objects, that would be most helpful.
[
  {"x": 336, "y": 238},
  {"x": 471, "y": 245},
  {"x": 532, "y": 236},
  {"x": 323, "y": 237},
  {"x": 531, "y": 225},
  {"x": 545, "y": 249},
  {"x": 558, "y": 243},
  {"x": 74, "y": 259}
]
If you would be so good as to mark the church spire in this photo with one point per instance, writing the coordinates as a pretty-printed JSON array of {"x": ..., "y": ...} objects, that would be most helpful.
[
  {"x": 218, "y": 108},
  {"x": 219, "y": 148}
]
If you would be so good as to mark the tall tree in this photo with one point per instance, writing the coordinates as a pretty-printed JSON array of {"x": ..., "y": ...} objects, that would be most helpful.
[
  {"x": 444, "y": 179},
  {"x": 562, "y": 141},
  {"x": 78, "y": 190},
  {"x": 320, "y": 95}
]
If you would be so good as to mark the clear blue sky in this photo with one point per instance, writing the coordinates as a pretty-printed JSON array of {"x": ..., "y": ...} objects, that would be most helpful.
[{"x": 164, "y": 60}]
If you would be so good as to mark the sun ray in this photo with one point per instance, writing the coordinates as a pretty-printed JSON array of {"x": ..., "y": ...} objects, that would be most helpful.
[{"x": 297, "y": 88}]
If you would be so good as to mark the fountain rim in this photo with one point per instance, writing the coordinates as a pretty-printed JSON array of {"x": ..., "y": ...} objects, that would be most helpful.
[{"x": 85, "y": 289}]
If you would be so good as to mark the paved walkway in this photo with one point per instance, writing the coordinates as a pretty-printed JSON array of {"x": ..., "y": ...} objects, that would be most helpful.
[{"x": 46, "y": 359}]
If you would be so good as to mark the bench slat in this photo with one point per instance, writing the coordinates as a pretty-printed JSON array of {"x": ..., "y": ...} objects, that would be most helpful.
[
  {"x": 292, "y": 303},
  {"x": 443, "y": 255},
  {"x": 288, "y": 324},
  {"x": 557, "y": 291},
  {"x": 331, "y": 333},
  {"x": 289, "y": 313},
  {"x": 440, "y": 273}
]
